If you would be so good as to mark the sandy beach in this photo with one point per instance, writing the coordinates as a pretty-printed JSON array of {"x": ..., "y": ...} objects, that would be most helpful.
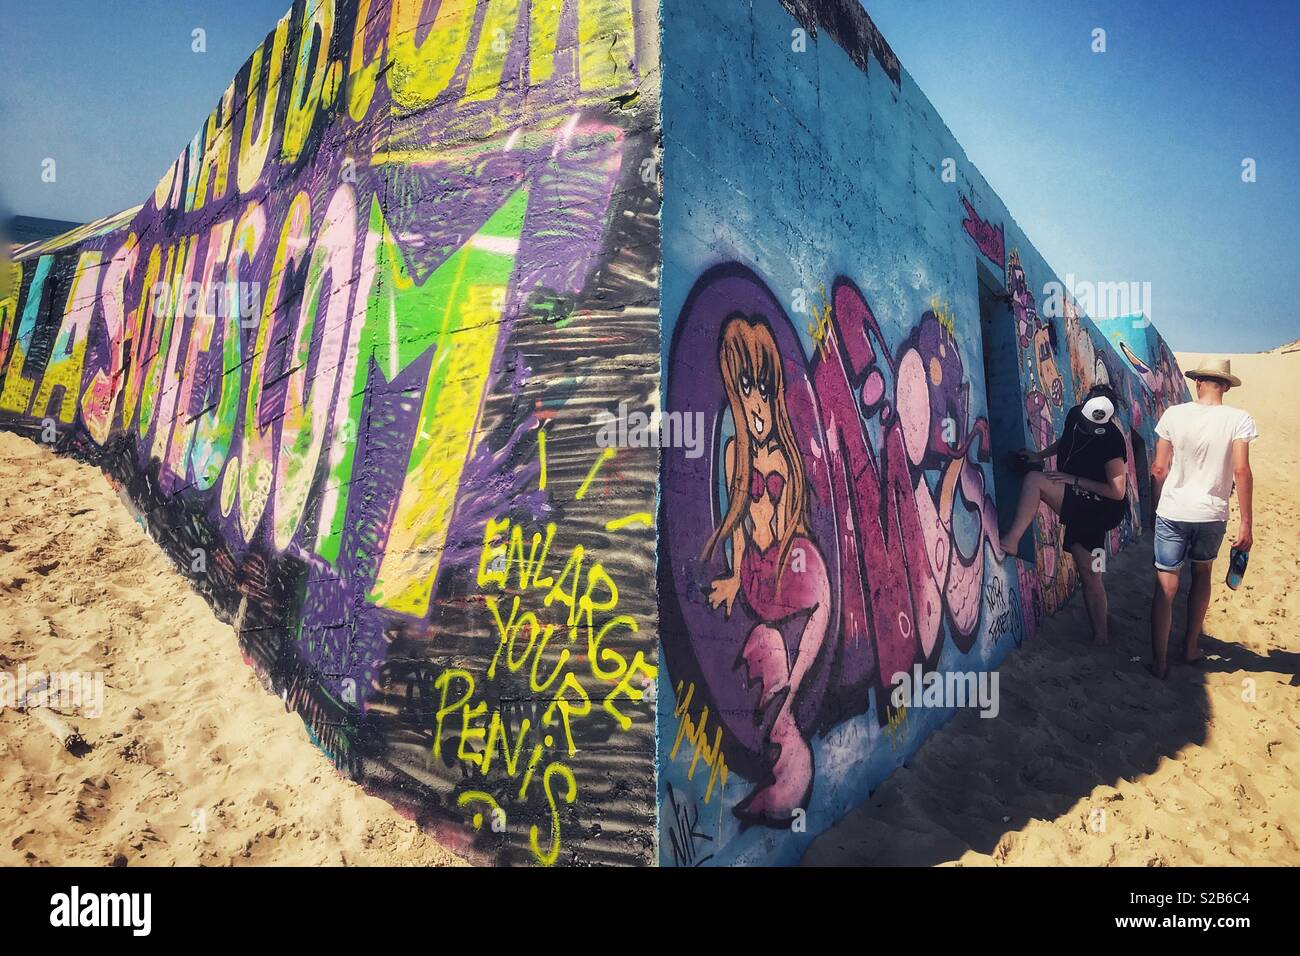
[
  {"x": 1091, "y": 761},
  {"x": 1094, "y": 762},
  {"x": 191, "y": 762}
]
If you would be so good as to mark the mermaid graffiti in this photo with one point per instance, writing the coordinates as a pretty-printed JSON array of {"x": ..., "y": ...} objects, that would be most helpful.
[
  {"x": 835, "y": 535},
  {"x": 775, "y": 567}
]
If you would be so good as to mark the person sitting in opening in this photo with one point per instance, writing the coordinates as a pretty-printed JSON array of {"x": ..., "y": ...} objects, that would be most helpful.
[{"x": 1087, "y": 490}]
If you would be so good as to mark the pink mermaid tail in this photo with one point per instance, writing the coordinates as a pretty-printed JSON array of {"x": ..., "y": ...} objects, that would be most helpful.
[
  {"x": 776, "y": 595},
  {"x": 790, "y": 784},
  {"x": 766, "y": 663},
  {"x": 775, "y": 803}
]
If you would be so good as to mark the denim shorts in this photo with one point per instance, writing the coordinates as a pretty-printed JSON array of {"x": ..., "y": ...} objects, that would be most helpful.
[{"x": 1179, "y": 541}]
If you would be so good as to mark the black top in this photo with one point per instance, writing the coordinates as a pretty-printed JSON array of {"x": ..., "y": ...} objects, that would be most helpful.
[{"x": 1085, "y": 446}]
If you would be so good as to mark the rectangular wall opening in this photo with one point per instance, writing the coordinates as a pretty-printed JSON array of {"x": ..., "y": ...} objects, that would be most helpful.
[
  {"x": 1143, "y": 468},
  {"x": 1002, "y": 390}
]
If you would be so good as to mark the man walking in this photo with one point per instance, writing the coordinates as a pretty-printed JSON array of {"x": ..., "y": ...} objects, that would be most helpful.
[{"x": 1203, "y": 450}]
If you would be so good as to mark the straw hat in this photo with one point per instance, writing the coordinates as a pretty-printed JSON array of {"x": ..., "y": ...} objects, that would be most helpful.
[{"x": 1215, "y": 368}]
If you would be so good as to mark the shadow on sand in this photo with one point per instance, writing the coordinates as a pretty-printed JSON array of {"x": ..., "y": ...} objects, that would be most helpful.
[{"x": 1074, "y": 718}]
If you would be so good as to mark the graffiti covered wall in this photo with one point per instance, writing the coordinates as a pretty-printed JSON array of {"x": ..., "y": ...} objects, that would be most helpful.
[
  {"x": 343, "y": 363},
  {"x": 837, "y": 278},
  {"x": 355, "y": 362}
]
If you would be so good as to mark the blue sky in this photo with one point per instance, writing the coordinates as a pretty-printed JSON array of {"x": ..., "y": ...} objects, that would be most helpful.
[
  {"x": 1121, "y": 166},
  {"x": 1126, "y": 165},
  {"x": 112, "y": 91}
]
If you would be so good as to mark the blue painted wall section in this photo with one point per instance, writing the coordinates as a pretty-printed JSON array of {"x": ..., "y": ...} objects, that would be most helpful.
[{"x": 824, "y": 280}]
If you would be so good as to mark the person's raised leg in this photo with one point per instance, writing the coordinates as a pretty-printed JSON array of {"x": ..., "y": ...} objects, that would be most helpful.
[
  {"x": 1094, "y": 592},
  {"x": 1198, "y": 602},
  {"x": 1162, "y": 611},
  {"x": 1037, "y": 488}
]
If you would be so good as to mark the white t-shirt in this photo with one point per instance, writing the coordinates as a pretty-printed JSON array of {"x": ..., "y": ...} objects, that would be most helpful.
[{"x": 1200, "y": 478}]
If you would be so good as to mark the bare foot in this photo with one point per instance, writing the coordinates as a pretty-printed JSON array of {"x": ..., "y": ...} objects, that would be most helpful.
[
  {"x": 1009, "y": 544},
  {"x": 1100, "y": 641},
  {"x": 1158, "y": 671}
]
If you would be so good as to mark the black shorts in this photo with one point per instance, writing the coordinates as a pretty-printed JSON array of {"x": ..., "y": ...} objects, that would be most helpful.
[{"x": 1088, "y": 519}]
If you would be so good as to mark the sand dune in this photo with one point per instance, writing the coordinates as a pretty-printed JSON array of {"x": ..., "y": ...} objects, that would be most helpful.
[
  {"x": 191, "y": 761},
  {"x": 1092, "y": 761}
]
